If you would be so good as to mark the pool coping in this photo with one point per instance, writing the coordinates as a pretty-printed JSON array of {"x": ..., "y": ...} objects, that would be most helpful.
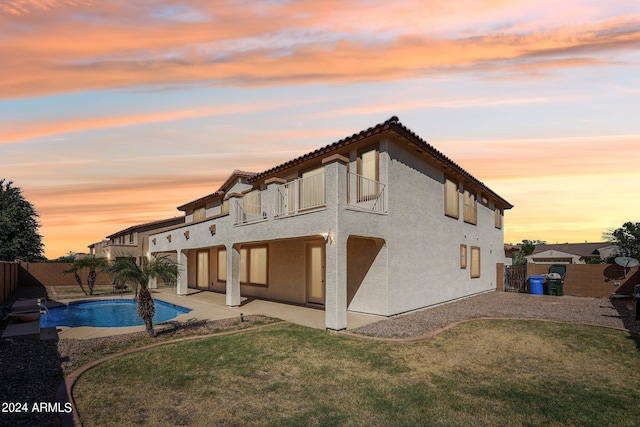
[
  {"x": 87, "y": 332},
  {"x": 60, "y": 328}
]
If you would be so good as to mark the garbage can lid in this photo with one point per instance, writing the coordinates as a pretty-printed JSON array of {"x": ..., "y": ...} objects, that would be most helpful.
[{"x": 558, "y": 268}]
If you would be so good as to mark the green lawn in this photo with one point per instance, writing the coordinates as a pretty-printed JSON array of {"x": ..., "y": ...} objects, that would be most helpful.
[{"x": 495, "y": 373}]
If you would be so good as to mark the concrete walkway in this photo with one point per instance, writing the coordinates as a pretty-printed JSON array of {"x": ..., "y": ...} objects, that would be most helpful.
[{"x": 212, "y": 306}]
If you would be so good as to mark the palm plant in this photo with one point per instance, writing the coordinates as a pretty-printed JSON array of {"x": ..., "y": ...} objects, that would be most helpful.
[
  {"x": 125, "y": 269},
  {"x": 94, "y": 264}
]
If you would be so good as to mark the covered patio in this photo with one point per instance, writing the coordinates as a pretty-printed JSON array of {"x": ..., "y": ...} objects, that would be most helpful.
[{"x": 206, "y": 305}]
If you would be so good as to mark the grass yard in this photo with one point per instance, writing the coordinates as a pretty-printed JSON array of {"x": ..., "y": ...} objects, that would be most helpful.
[{"x": 492, "y": 373}]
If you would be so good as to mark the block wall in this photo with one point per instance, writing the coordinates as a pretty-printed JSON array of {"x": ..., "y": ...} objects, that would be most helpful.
[
  {"x": 593, "y": 280},
  {"x": 52, "y": 274}
]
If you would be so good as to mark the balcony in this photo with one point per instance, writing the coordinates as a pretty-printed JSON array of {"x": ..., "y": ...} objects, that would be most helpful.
[
  {"x": 366, "y": 194},
  {"x": 307, "y": 194},
  {"x": 300, "y": 195},
  {"x": 250, "y": 209}
]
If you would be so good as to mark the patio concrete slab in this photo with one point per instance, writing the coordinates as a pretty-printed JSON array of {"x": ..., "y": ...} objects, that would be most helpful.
[{"x": 207, "y": 305}]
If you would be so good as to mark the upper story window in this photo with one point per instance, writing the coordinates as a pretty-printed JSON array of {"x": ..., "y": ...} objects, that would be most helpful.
[
  {"x": 498, "y": 217},
  {"x": 451, "y": 200},
  {"x": 130, "y": 237},
  {"x": 199, "y": 214},
  {"x": 470, "y": 213},
  {"x": 368, "y": 164},
  {"x": 253, "y": 202}
]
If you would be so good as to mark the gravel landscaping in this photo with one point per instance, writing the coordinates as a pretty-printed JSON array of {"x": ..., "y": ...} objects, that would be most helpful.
[
  {"x": 31, "y": 371},
  {"x": 593, "y": 311}
]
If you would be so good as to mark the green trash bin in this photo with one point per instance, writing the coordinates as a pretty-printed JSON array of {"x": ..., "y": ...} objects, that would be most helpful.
[{"x": 555, "y": 280}]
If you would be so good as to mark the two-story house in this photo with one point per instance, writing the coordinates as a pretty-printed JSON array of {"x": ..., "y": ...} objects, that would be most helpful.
[
  {"x": 132, "y": 241},
  {"x": 379, "y": 222}
]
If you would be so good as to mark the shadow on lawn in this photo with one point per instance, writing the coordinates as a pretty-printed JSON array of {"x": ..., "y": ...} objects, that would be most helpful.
[
  {"x": 626, "y": 313},
  {"x": 30, "y": 373}
]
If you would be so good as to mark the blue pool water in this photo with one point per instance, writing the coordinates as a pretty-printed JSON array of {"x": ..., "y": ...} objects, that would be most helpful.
[{"x": 106, "y": 313}]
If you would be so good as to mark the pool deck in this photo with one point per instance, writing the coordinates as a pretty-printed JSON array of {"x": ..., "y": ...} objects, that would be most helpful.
[{"x": 207, "y": 305}]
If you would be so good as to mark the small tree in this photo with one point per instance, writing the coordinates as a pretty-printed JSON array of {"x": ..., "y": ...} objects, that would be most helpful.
[
  {"x": 94, "y": 264},
  {"x": 627, "y": 238},
  {"x": 19, "y": 238},
  {"x": 125, "y": 269},
  {"x": 526, "y": 248}
]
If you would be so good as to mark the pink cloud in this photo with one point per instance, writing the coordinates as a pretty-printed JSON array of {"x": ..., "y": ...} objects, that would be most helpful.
[{"x": 285, "y": 44}]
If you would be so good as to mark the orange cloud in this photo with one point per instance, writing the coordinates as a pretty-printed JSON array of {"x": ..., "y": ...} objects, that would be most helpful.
[
  {"x": 22, "y": 7},
  {"x": 18, "y": 131},
  {"x": 258, "y": 46}
]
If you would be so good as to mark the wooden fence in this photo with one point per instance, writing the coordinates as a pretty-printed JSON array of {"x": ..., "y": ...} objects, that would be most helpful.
[{"x": 8, "y": 279}]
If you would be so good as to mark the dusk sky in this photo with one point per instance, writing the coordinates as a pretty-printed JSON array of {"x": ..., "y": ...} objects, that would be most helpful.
[{"x": 112, "y": 113}]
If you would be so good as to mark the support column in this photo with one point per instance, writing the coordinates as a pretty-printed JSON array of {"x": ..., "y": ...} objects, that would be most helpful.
[
  {"x": 182, "y": 284},
  {"x": 335, "y": 168},
  {"x": 233, "y": 275},
  {"x": 336, "y": 284}
]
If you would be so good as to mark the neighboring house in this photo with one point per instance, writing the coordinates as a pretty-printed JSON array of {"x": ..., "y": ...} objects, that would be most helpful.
[
  {"x": 132, "y": 241},
  {"x": 379, "y": 222},
  {"x": 571, "y": 253}
]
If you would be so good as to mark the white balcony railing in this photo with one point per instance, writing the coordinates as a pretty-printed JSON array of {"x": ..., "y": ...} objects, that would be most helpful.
[
  {"x": 300, "y": 195},
  {"x": 250, "y": 208},
  {"x": 366, "y": 193}
]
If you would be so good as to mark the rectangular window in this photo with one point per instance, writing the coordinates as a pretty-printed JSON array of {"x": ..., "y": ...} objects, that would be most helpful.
[
  {"x": 498, "y": 217},
  {"x": 258, "y": 266},
  {"x": 451, "y": 200},
  {"x": 475, "y": 262},
  {"x": 202, "y": 279},
  {"x": 199, "y": 214},
  {"x": 369, "y": 174},
  {"x": 463, "y": 256},
  {"x": 253, "y": 204},
  {"x": 130, "y": 237},
  {"x": 254, "y": 265},
  {"x": 222, "y": 265},
  {"x": 470, "y": 212}
]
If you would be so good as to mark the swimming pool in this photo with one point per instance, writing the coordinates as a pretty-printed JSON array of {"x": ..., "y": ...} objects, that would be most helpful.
[{"x": 111, "y": 313}]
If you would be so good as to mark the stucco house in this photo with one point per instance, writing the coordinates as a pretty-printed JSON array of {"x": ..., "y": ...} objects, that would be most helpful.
[
  {"x": 132, "y": 241},
  {"x": 571, "y": 253},
  {"x": 379, "y": 222}
]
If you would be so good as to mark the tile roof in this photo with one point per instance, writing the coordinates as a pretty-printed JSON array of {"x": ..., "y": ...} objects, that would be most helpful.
[
  {"x": 392, "y": 125},
  {"x": 581, "y": 249},
  {"x": 409, "y": 137},
  {"x": 149, "y": 226},
  {"x": 220, "y": 192}
]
